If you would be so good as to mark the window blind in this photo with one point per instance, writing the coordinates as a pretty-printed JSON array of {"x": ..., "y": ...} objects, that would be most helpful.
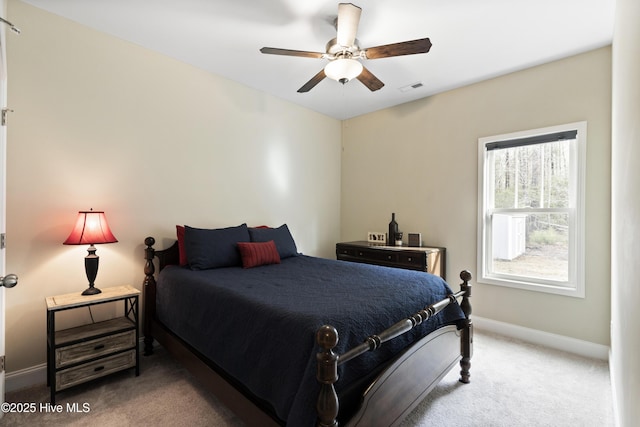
[{"x": 531, "y": 140}]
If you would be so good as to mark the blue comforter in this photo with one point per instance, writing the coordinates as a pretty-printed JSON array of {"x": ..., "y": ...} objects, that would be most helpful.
[{"x": 259, "y": 324}]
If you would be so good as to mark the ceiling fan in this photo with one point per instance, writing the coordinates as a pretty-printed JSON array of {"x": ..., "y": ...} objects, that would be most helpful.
[{"x": 343, "y": 52}]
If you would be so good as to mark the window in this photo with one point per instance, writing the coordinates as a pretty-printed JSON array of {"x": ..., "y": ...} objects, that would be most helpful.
[{"x": 531, "y": 209}]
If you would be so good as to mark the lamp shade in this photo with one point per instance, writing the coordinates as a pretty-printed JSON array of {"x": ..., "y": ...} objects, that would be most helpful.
[
  {"x": 91, "y": 228},
  {"x": 343, "y": 70}
]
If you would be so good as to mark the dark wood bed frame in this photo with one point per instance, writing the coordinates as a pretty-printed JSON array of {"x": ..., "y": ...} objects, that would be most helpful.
[{"x": 394, "y": 393}]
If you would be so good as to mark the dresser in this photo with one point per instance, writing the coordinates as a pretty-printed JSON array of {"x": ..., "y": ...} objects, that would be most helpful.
[
  {"x": 431, "y": 259},
  {"x": 86, "y": 352}
]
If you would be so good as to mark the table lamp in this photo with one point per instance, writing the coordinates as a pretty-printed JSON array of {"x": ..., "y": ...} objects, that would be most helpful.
[{"x": 91, "y": 229}]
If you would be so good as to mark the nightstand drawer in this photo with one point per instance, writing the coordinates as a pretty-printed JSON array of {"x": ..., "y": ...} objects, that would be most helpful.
[
  {"x": 99, "y": 368},
  {"x": 76, "y": 353},
  {"x": 79, "y": 354}
]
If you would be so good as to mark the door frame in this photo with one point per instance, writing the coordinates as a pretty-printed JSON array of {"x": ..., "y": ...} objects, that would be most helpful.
[{"x": 3, "y": 177}]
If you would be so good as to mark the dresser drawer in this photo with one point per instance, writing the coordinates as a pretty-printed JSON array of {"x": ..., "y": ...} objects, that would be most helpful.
[
  {"x": 342, "y": 251},
  {"x": 413, "y": 260},
  {"x": 420, "y": 258},
  {"x": 96, "y": 369},
  {"x": 76, "y": 353},
  {"x": 377, "y": 255}
]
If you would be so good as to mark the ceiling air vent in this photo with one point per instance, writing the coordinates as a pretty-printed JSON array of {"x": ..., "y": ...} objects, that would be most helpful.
[{"x": 411, "y": 87}]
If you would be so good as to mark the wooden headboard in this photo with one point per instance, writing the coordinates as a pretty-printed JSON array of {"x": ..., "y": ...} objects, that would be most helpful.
[{"x": 169, "y": 256}]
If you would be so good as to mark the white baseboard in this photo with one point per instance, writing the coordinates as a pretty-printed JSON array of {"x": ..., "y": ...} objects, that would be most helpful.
[
  {"x": 24, "y": 378},
  {"x": 614, "y": 390},
  {"x": 559, "y": 342}
]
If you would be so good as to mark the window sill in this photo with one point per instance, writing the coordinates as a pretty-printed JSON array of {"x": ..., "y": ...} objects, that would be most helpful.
[{"x": 575, "y": 292}]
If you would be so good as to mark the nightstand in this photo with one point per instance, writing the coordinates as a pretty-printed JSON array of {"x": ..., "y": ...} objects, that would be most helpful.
[
  {"x": 430, "y": 259},
  {"x": 81, "y": 354}
]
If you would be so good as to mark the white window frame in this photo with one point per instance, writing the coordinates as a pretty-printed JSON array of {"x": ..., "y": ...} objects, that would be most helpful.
[{"x": 575, "y": 286}]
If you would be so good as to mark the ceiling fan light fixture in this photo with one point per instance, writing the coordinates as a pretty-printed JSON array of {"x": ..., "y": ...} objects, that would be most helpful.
[{"x": 343, "y": 69}]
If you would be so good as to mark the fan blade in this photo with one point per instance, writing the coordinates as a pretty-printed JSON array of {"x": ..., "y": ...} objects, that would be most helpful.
[
  {"x": 313, "y": 82},
  {"x": 347, "y": 26},
  {"x": 289, "y": 52},
  {"x": 369, "y": 80},
  {"x": 398, "y": 49}
]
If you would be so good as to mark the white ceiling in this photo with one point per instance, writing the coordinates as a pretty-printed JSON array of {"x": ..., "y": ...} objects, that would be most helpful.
[{"x": 473, "y": 40}]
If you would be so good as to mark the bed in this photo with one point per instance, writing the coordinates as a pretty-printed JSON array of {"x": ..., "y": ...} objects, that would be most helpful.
[{"x": 287, "y": 339}]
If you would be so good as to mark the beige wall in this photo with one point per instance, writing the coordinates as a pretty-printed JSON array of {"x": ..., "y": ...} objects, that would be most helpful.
[
  {"x": 419, "y": 160},
  {"x": 104, "y": 124},
  {"x": 625, "y": 253}
]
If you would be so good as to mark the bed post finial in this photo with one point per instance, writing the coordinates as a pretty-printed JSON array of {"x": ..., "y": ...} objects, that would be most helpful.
[
  {"x": 465, "y": 286},
  {"x": 149, "y": 292},
  {"x": 466, "y": 338},
  {"x": 327, "y": 375}
]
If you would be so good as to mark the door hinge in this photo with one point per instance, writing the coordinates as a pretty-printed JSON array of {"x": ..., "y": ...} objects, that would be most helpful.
[
  {"x": 3, "y": 240},
  {"x": 3, "y": 118},
  {"x": 1, "y": 364}
]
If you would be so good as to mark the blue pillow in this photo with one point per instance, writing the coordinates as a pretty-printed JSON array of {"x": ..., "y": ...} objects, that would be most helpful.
[
  {"x": 214, "y": 248},
  {"x": 281, "y": 236}
]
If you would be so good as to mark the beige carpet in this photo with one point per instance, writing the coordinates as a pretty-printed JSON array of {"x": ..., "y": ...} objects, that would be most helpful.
[{"x": 512, "y": 384}]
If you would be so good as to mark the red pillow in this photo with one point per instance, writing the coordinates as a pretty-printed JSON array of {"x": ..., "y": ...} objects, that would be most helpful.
[
  {"x": 181, "y": 252},
  {"x": 254, "y": 254}
]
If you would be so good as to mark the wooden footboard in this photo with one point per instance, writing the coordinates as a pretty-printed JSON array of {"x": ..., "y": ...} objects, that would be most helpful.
[
  {"x": 395, "y": 392},
  {"x": 404, "y": 384}
]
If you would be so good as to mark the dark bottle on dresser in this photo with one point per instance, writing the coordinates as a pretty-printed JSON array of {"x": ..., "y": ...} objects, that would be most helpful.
[{"x": 393, "y": 229}]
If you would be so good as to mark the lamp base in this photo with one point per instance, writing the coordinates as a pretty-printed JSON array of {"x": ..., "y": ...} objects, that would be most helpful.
[{"x": 91, "y": 291}]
